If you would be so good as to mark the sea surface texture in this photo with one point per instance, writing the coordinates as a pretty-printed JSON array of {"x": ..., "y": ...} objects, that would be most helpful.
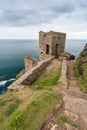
[{"x": 13, "y": 52}]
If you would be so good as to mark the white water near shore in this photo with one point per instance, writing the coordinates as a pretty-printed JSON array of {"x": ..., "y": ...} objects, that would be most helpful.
[{"x": 2, "y": 83}]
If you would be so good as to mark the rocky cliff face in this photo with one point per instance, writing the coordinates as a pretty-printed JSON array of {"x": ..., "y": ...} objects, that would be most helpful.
[
  {"x": 83, "y": 56},
  {"x": 82, "y": 60}
]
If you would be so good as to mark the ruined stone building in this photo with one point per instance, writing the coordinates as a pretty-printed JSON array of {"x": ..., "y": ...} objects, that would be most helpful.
[
  {"x": 51, "y": 43},
  {"x": 29, "y": 63}
]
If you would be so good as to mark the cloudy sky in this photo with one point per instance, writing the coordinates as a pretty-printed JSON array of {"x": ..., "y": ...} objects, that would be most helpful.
[{"x": 25, "y": 18}]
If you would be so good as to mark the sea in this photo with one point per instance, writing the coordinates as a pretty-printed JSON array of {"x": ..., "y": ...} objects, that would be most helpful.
[{"x": 13, "y": 52}]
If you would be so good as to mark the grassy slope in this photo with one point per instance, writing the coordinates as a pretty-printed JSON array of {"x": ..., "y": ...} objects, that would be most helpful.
[
  {"x": 29, "y": 113},
  {"x": 47, "y": 80},
  {"x": 82, "y": 80}
]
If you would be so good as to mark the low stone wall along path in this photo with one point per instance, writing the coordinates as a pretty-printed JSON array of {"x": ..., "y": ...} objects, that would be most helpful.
[{"x": 71, "y": 113}]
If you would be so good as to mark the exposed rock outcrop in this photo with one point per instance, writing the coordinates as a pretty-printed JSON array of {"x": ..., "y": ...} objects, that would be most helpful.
[
  {"x": 83, "y": 56},
  {"x": 82, "y": 59},
  {"x": 67, "y": 55}
]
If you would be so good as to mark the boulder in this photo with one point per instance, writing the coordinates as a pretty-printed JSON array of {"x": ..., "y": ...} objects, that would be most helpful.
[
  {"x": 72, "y": 57},
  {"x": 68, "y": 56}
]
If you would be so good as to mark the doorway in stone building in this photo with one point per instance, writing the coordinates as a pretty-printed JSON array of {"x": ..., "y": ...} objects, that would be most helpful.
[
  {"x": 47, "y": 49},
  {"x": 57, "y": 50}
]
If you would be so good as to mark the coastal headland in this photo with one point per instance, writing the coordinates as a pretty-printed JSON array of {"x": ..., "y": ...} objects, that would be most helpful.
[{"x": 49, "y": 94}]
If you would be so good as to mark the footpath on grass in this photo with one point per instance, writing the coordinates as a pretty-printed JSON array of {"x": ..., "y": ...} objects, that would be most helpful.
[{"x": 71, "y": 112}]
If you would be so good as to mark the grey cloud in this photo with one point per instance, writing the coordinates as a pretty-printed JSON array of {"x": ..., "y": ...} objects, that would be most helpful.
[
  {"x": 83, "y": 3},
  {"x": 25, "y": 12},
  {"x": 63, "y": 9},
  {"x": 24, "y": 17}
]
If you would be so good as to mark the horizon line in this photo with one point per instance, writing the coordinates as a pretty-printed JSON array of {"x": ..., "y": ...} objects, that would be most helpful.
[{"x": 35, "y": 39}]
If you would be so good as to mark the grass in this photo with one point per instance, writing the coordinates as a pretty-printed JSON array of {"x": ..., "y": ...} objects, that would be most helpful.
[
  {"x": 8, "y": 105},
  {"x": 47, "y": 80},
  {"x": 35, "y": 113},
  {"x": 11, "y": 107},
  {"x": 30, "y": 112},
  {"x": 5, "y": 99},
  {"x": 82, "y": 80},
  {"x": 1, "y": 117},
  {"x": 64, "y": 119},
  {"x": 17, "y": 121}
]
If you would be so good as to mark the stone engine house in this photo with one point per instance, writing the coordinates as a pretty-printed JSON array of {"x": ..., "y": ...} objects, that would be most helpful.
[{"x": 51, "y": 44}]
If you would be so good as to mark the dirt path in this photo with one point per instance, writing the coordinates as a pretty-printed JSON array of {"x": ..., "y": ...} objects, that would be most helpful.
[
  {"x": 73, "y": 88},
  {"x": 73, "y": 106},
  {"x": 54, "y": 64},
  {"x": 75, "y": 101}
]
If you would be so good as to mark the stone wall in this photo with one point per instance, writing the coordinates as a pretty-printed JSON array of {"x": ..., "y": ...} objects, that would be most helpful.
[
  {"x": 55, "y": 41},
  {"x": 29, "y": 63},
  {"x": 36, "y": 71},
  {"x": 63, "y": 77},
  {"x": 58, "y": 43},
  {"x": 30, "y": 76},
  {"x": 45, "y": 38}
]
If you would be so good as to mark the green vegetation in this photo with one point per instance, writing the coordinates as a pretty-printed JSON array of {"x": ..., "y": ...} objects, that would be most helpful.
[
  {"x": 82, "y": 79},
  {"x": 11, "y": 107},
  {"x": 47, "y": 80},
  {"x": 8, "y": 105},
  {"x": 35, "y": 113},
  {"x": 64, "y": 119},
  {"x": 28, "y": 108},
  {"x": 17, "y": 121}
]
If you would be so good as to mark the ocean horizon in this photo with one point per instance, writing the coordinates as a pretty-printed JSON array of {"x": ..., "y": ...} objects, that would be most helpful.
[{"x": 13, "y": 52}]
